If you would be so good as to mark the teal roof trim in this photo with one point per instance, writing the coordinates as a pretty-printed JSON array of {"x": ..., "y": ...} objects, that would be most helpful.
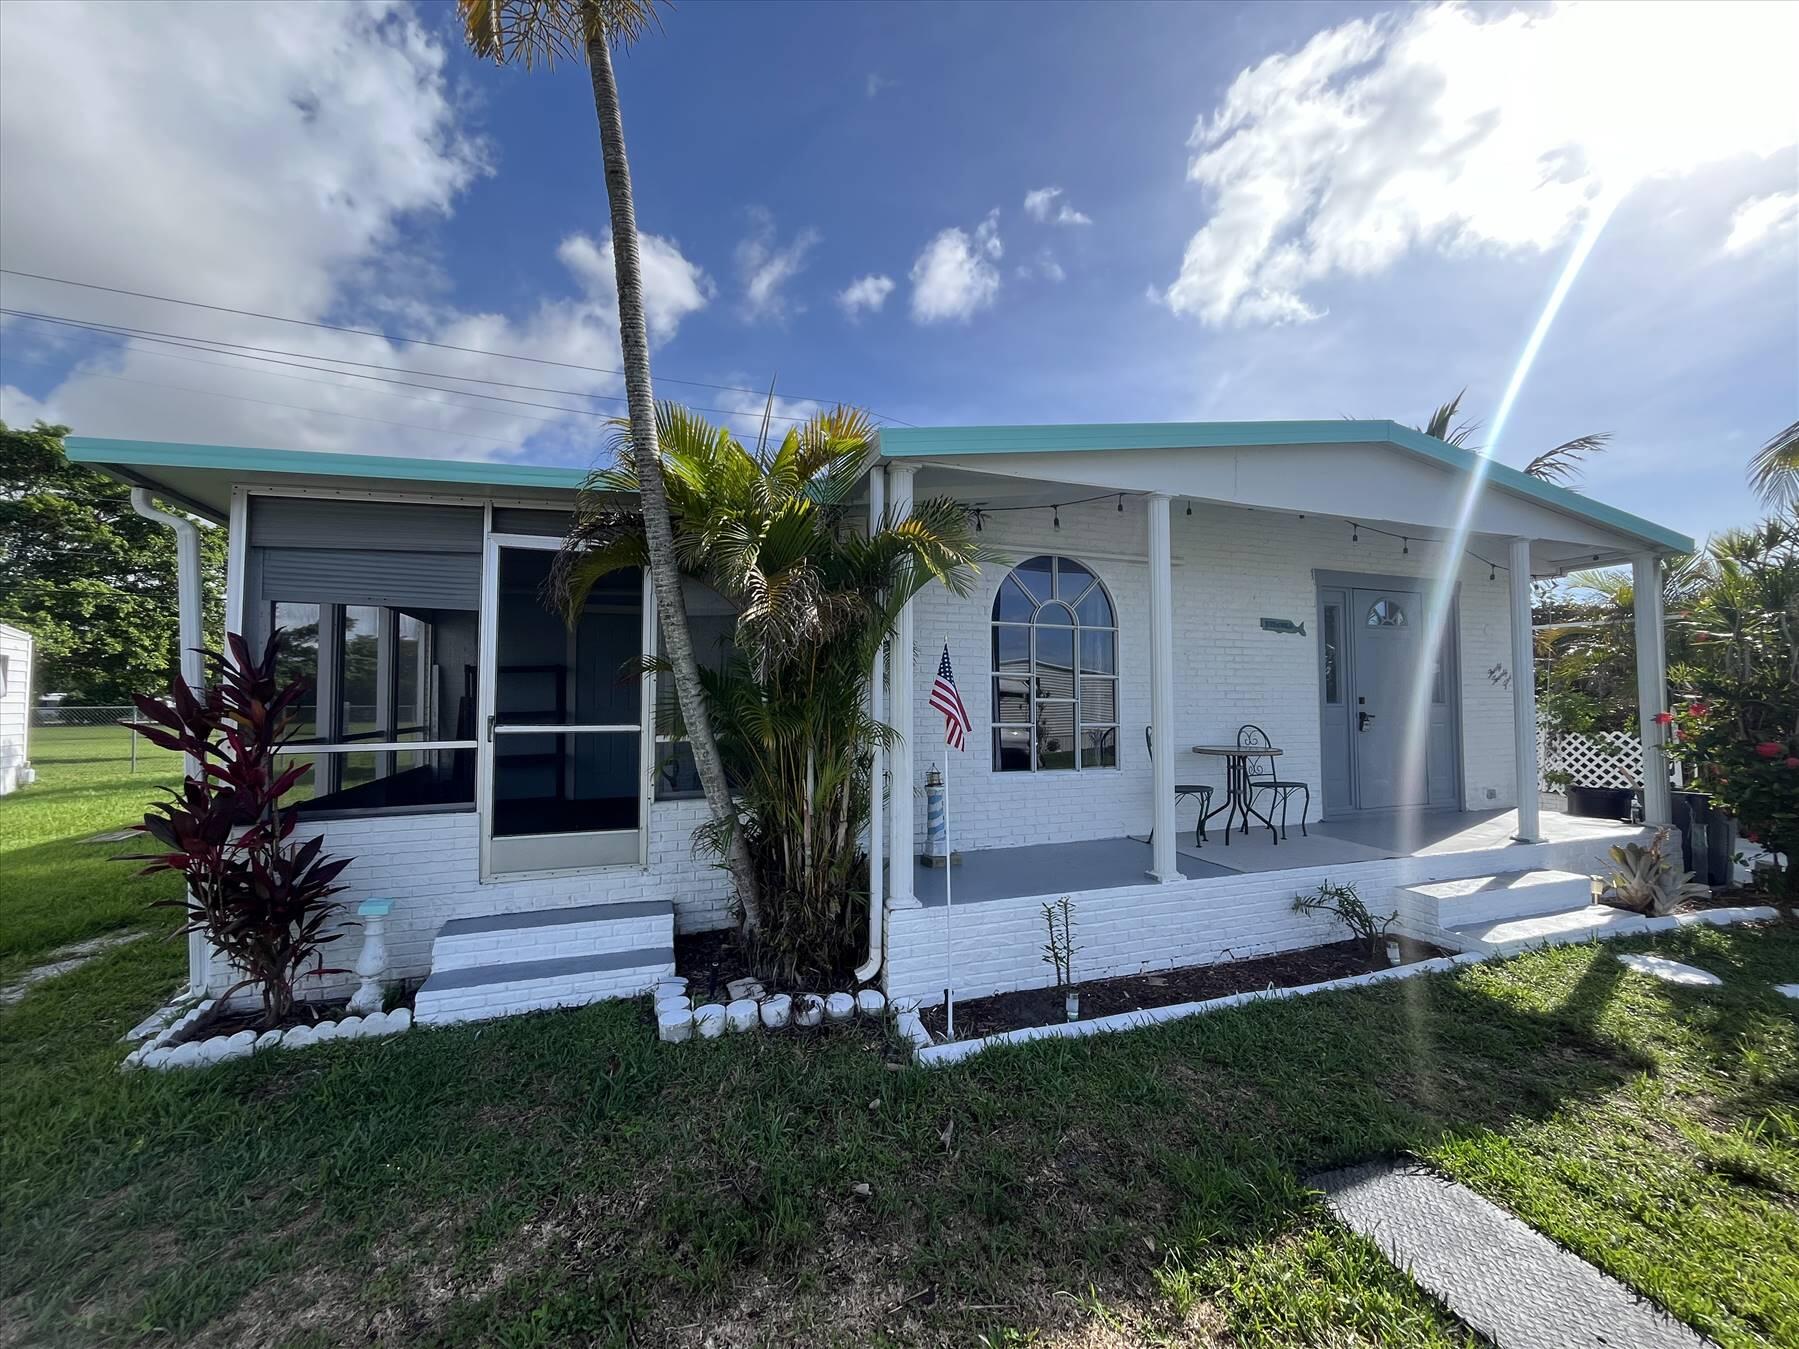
[
  {"x": 956, "y": 441},
  {"x": 149, "y": 454}
]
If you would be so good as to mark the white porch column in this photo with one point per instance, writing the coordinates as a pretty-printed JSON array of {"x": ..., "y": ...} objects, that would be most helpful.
[
  {"x": 1652, "y": 686},
  {"x": 900, "y": 716},
  {"x": 1524, "y": 695},
  {"x": 1163, "y": 865}
]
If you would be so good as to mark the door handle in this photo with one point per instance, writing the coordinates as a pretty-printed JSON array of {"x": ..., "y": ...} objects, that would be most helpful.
[
  {"x": 1364, "y": 720},
  {"x": 492, "y": 718}
]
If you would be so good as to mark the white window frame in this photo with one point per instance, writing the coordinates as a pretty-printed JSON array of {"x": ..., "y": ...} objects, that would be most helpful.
[{"x": 1077, "y": 702}]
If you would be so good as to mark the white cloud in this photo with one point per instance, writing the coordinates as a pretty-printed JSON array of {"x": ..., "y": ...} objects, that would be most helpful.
[
  {"x": 673, "y": 287},
  {"x": 255, "y": 181},
  {"x": 866, "y": 294},
  {"x": 20, "y": 409},
  {"x": 877, "y": 82},
  {"x": 765, "y": 268},
  {"x": 954, "y": 275},
  {"x": 1049, "y": 205},
  {"x": 1045, "y": 266},
  {"x": 1459, "y": 129},
  {"x": 1762, "y": 220}
]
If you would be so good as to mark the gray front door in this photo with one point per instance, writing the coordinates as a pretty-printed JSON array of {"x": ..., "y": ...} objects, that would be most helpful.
[
  {"x": 1385, "y": 631},
  {"x": 1373, "y": 646}
]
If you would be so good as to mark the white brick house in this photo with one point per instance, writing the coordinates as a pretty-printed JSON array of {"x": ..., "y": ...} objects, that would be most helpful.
[{"x": 1355, "y": 590}]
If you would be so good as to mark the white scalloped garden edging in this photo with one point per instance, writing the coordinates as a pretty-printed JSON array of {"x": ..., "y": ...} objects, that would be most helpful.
[
  {"x": 160, "y": 1053},
  {"x": 935, "y": 1055},
  {"x": 678, "y": 1020}
]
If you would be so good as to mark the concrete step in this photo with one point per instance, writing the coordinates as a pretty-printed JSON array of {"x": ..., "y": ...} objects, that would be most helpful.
[
  {"x": 544, "y": 934},
  {"x": 503, "y": 964},
  {"x": 1512, "y": 935},
  {"x": 478, "y": 992},
  {"x": 1442, "y": 905}
]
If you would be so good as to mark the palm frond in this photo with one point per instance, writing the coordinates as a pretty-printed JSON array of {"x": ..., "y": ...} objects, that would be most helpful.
[
  {"x": 1562, "y": 464},
  {"x": 543, "y": 32},
  {"x": 1774, "y": 471},
  {"x": 1443, "y": 425}
]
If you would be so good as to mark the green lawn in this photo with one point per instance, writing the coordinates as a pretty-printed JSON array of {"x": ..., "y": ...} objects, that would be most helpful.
[{"x": 562, "y": 1178}]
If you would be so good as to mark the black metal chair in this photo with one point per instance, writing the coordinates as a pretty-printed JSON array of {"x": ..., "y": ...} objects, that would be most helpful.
[
  {"x": 1200, "y": 791},
  {"x": 1259, "y": 776}
]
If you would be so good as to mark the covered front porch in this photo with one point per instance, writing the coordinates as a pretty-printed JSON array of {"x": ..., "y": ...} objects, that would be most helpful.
[
  {"x": 1355, "y": 596},
  {"x": 1053, "y": 869}
]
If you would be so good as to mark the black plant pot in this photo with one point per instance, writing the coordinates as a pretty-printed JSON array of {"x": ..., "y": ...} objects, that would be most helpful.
[{"x": 1600, "y": 803}]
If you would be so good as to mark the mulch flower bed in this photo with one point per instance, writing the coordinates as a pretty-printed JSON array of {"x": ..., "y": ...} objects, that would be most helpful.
[
  {"x": 976, "y": 1017},
  {"x": 230, "y": 1020}
]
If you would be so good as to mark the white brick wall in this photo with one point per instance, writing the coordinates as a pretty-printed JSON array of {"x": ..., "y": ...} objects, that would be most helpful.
[
  {"x": 1232, "y": 567},
  {"x": 429, "y": 866},
  {"x": 999, "y": 943}
]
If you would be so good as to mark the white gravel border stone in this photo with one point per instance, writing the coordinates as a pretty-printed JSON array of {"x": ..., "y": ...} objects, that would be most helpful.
[
  {"x": 709, "y": 1020},
  {"x": 839, "y": 1007},
  {"x": 160, "y": 1053},
  {"x": 808, "y": 1010}
]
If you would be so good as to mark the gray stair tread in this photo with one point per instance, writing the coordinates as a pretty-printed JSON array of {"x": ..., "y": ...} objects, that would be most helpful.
[
  {"x": 1506, "y": 1280},
  {"x": 529, "y": 918},
  {"x": 473, "y": 976}
]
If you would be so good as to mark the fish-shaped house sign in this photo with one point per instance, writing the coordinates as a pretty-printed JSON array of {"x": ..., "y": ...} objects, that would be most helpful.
[{"x": 1285, "y": 625}]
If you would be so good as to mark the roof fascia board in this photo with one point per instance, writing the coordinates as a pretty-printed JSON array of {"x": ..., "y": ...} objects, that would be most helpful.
[{"x": 898, "y": 443}]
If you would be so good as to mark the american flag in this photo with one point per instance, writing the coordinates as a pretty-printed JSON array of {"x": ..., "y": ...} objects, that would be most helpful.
[{"x": 946, "y": 700}]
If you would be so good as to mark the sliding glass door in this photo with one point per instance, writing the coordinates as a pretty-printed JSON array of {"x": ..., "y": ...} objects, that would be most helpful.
[{"x": 563, "y": 760}]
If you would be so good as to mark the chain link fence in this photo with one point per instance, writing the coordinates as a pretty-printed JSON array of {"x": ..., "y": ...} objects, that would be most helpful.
[{"x": 66, "y": 734}]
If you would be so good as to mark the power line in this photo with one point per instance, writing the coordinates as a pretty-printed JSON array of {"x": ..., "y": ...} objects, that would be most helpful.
[
  {"x": 412, "y": 341},
  {"x": 219, "y": 347},
  {"x": 291, "y": 407}
]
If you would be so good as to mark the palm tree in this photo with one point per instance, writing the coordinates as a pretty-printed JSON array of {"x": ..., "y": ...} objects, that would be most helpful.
[
  {"x": 1559, "y": 465},
  {"x": 769, "y": 530},
  {"x": 1774, "y": 472},
  {"x": 534, "y": 31}
]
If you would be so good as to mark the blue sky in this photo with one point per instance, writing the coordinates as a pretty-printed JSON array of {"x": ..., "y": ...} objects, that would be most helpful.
[{"x": 1067, "y": 213}]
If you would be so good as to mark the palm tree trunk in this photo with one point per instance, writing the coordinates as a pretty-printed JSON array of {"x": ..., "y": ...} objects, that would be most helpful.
[{"x": 671, "y": 606}]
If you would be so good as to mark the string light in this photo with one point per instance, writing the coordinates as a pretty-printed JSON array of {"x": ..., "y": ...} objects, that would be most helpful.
[
  {"x": 1189, "y": 508},
  {"x": 1057, "y": 513},
  {"x": 1407, "y": 549},
  {"x": 1121, "y": 503},
  {"x": 1355, "y": 532}
]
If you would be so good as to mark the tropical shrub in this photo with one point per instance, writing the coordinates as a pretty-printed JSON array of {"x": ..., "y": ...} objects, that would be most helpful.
[
  {"x": 817, "y": 596},
  {"x": 257, "y": 898},
  {"x": 1348, "y": 907},
  {"x": 1737, "y": 721},
  {"x": 1645, "y": 881}
]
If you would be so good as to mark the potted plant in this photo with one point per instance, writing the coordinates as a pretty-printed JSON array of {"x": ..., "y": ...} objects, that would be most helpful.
[
  {"x": 1058, "y": 952},
  {"x": 1568, "y": 713},
  {"x": 261, "y": 900},
  {"x": 1342, "y": 902}
]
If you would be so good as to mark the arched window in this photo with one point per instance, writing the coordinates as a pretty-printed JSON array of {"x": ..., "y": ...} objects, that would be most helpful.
[
  {"x": 1055, "y": 669},
  {"x": 1385, "y": 614}
]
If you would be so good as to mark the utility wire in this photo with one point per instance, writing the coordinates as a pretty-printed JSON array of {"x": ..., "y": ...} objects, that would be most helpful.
[
  {"x": 412, "y": 341},
  {"x": 218, "y": 347}
]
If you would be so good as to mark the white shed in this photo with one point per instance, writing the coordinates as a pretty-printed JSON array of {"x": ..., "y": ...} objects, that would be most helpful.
[{"x": 16, "y": 650}]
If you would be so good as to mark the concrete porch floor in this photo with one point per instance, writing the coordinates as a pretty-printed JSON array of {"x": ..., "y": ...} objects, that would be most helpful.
[{"x": 1109, "y": 863}]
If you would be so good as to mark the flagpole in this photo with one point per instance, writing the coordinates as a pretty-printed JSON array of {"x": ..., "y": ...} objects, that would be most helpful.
[{"x": 949, "y": 870}]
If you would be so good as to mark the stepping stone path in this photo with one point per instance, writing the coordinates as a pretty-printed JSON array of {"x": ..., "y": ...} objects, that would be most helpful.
[
  {"x": 62, "y": 961},
  {"x": 1670, "y": 971},
  {"x": 1504, "y": 1279}
]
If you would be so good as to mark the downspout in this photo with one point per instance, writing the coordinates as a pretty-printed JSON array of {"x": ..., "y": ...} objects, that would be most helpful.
[
  {"x": 877, "y": 809},
  {"x": 193, "y": 664}
]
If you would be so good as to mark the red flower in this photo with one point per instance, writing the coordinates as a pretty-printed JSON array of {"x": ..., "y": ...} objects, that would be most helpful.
[
  {"x": 1700, "y": 709},
  {"x": 1770, "y": 749},
  {"x": 1664, "y": 718},
  {"x": 1792, "y": 761}
]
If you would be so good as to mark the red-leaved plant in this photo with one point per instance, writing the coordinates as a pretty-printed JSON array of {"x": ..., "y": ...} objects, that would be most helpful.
[{"x": 265, "y": 904}]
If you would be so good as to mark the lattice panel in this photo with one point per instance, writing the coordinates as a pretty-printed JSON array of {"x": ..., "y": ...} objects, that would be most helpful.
[{"x": 1601, "y": 759}]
